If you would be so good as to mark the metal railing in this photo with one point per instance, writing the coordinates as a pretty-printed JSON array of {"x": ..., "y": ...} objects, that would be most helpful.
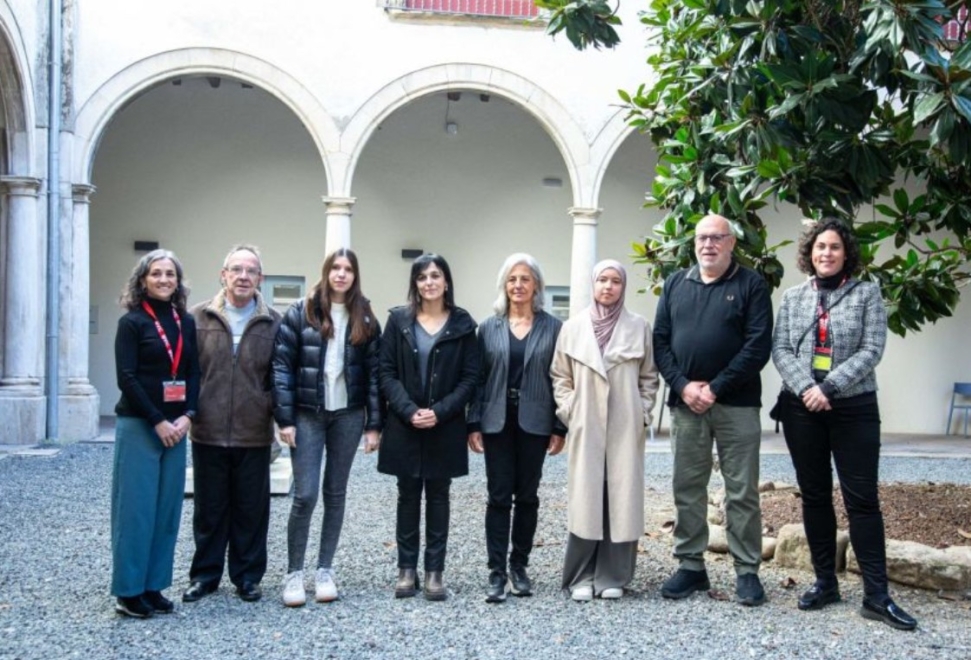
[
  {"x": 518, "y": 9},
  {"x": 957, "y": 29}
]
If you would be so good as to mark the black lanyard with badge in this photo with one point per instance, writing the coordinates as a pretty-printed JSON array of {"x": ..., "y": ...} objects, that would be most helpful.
[{"x": 173, "y": 390}]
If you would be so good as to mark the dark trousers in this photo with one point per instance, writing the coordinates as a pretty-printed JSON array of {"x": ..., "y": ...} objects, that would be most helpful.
[
  {"x": 514, "y": 468},
  {"x": 232, "y": 511},
  {"x": 850, "y": 434},
  {"x": 436, "y": 521}
]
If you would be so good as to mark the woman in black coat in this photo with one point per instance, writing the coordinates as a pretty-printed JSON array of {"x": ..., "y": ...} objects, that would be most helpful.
[{"x": 428, "y": 368}]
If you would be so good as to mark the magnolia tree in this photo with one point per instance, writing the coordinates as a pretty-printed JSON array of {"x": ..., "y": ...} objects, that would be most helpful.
[{"x": 824, "y": 104}]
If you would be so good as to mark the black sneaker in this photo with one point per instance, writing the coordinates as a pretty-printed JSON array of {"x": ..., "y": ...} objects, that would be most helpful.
[
  {"x": 496, "y": 593},
  {"x": 134, "y": 607},
  {"x": 684, "y": 583},
  {"x": 748, "y": 590},
  {"x": 519, "y": 583},
  {"x": 159, "y": 603}
]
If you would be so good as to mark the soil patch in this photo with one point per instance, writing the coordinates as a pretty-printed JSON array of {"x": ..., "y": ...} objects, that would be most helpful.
[{"x": 938, "y": 515}]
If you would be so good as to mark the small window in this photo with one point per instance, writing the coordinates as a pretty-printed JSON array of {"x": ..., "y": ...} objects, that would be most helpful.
[
  {"x": 557, "y": 301},
  {"x": 281, "y": 291}
]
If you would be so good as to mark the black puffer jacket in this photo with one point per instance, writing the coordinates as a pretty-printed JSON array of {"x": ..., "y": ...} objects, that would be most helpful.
[
  {"x": 298, "y": 370},
  {"x": 440, "y": 452}
]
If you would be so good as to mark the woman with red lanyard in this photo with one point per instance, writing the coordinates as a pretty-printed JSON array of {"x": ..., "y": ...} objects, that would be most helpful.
[
  {"x": 158, "y": 375},
  {"x": 829, "y": 337}
]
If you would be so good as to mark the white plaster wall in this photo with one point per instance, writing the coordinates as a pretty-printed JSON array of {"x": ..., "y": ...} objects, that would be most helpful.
[
  {"x": 199, "y": 171},
  {"x": 345, "y": 50}
]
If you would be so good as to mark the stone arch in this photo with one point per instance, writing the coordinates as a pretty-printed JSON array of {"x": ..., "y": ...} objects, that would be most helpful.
[
  {"x": 15, "y": 85},
  {"x": 605, "y": 145},
  {"x": 533, "y": 99},
  {"x": 98, "y": 110}
]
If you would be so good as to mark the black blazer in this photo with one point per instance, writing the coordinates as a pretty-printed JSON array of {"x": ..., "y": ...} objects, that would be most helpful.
[
  {"x": 440, "y": 452},
  {"x": 298, "y": 370},
  {"x": 537, "y": 409}
]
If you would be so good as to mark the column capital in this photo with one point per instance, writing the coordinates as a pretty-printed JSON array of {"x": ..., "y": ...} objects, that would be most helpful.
[
  {"x": 81, "y": 192},
  {"x": 26, "y": 186},
  {"x": 339, "y": 205},
  {"x": 584, "y": 215}
]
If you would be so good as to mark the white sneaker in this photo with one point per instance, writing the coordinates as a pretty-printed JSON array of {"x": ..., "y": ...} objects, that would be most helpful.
[
  {"x": 612, "y": 593},
  {"x": 326, "y": 590},
  {"x": 581, "y": 593},
  {"x": 293, "y": 592}
]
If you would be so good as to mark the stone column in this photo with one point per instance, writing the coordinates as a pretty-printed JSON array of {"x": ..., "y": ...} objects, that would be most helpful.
[
  {"x": 79, "y": 401},
  {"x": 584, "y": 256},
  {"x": 338, "y": 222},
  {"x": 22, "y": 404}
]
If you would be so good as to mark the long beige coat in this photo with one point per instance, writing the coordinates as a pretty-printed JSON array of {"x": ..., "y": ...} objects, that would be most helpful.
[{"x": 606, "y": 402}]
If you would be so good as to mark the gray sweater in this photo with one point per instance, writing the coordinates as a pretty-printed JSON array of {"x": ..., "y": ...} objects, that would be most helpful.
[{"x": 859, "y": 328}]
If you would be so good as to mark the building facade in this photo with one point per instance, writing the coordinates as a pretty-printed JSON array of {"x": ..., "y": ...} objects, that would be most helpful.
[{"x": 392, "y": 126}]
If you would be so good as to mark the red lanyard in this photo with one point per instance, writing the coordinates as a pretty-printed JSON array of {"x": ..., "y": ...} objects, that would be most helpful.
[
  {"x": 823, "y": 315},
  {"x": 174, "y": 359}
]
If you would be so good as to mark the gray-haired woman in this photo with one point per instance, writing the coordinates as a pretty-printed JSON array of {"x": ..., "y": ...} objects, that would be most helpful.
[{"x": 513, "y": 419}]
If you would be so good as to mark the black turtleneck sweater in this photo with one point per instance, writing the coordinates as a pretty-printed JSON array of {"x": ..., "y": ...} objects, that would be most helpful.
[{"x": 143, "y": 364}]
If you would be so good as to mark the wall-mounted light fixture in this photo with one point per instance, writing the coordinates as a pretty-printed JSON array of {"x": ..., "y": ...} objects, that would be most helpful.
[
  {"x": 145, "y": 246},
  {"x": 411, "y": 253},
  {"x": 552, "y": 182}
]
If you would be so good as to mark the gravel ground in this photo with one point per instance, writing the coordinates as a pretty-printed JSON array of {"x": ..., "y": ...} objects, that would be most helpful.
[{"x": 55, "y": 567}]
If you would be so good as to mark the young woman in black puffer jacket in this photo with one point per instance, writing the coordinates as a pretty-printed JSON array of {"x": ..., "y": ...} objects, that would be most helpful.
[{"x": 325, "y": 394}]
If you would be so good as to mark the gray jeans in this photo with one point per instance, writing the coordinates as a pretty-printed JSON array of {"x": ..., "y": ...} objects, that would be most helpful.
[{"x": 339, "y": 432}]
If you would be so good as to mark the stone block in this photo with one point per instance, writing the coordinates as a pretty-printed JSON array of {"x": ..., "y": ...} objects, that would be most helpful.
[
  {"x": 717, "y": 539},
  {"x": 922, "y": 566},
  {"x": 768, "y": 547},
  {"x": 792, "y": 548},
  {"x": 716, "y": 516}
]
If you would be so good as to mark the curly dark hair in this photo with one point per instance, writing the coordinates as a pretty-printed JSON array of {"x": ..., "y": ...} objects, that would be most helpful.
[
  {"x": 133, "y": 293},
  {"x": 804, "y": 260}
]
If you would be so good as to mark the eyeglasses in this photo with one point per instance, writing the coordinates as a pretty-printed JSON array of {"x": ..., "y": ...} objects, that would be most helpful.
[
  {"x": 239, "y": 270},
  {"x": 701, "y": 239}
]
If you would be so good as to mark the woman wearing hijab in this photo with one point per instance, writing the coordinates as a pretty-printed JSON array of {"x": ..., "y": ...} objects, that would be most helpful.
[{"x": 604, "y": 383}]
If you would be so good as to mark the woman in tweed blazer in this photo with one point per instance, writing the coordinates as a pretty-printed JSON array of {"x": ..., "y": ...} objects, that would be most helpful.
[
  {"x": 513, "y": 419},
  {"x": 829, "y": 337}
]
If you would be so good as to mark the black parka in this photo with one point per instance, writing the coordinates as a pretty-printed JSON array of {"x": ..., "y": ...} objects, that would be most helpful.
[
  {"x": 440, "y": 452},
  {"x": 298, "y": 370}
]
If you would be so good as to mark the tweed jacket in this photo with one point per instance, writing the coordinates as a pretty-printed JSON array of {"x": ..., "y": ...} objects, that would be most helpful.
[
  {"x": 235, "y": 400},
  {"x": 859, "y": 328},
  {"x": 537, "y": 409}
]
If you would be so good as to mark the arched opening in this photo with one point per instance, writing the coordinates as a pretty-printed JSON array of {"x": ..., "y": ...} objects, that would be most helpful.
[
  {"x": 469, "y": 175},
  {"x": 197, "y": 164}
]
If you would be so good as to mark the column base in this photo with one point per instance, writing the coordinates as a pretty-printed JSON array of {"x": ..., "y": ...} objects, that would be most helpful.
[
  {"x": 23, "y": 411},
  {"x": 78, "y": 413}
]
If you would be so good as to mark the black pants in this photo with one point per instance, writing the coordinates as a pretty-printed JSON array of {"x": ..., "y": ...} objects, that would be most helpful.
[
  {"x": 232, "y": 509},
  {"x": 409, "y": 519},
  {"x": 514, "y": 468},
  {"x": 850, "y": 434}
]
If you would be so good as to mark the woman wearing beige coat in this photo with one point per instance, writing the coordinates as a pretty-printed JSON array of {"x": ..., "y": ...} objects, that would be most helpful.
[{"x": 604, "y": 383}]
